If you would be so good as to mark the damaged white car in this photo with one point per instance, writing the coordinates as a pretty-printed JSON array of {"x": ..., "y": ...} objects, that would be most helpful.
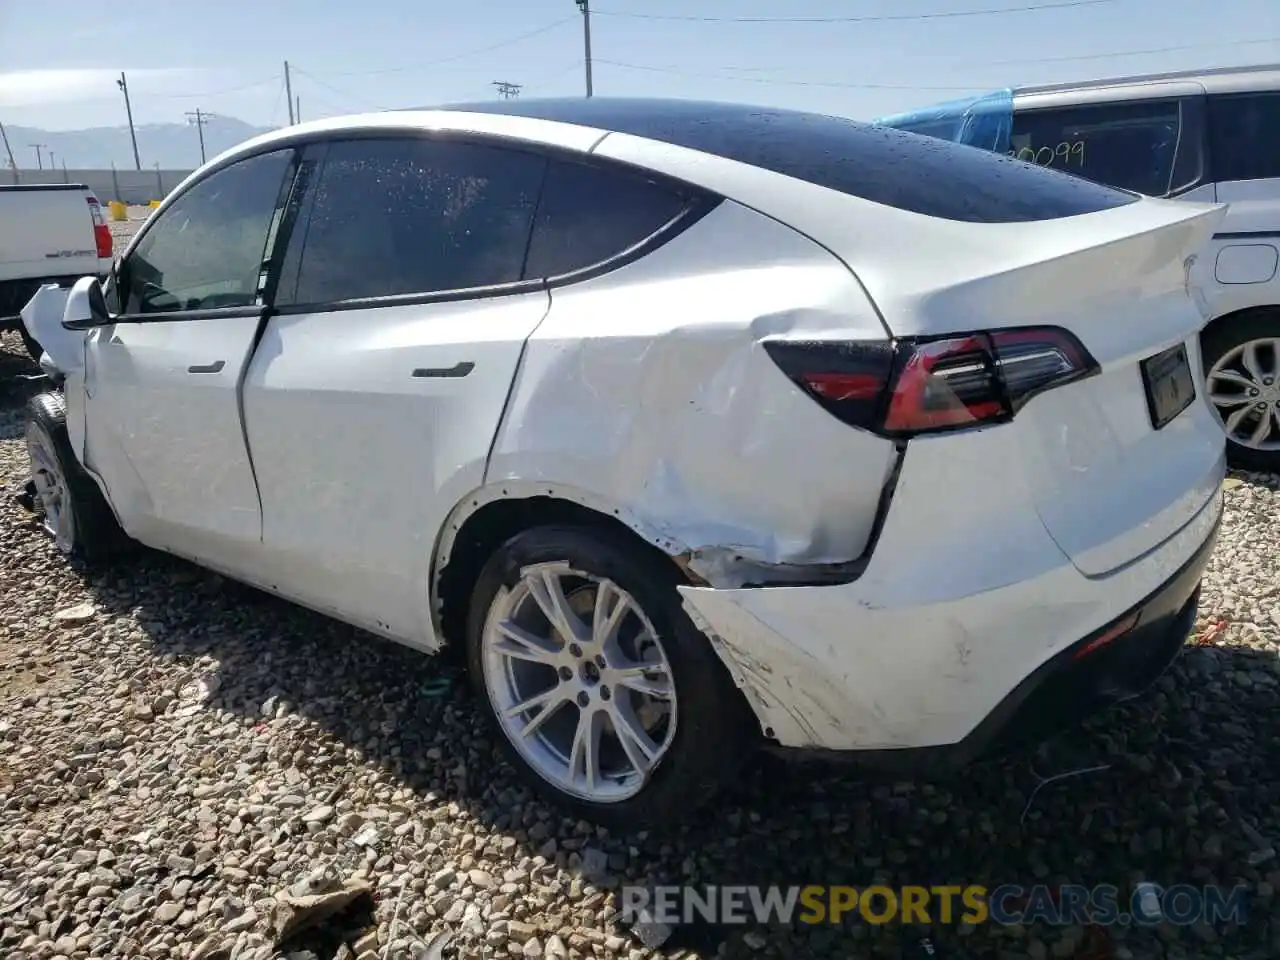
[{"x": 696, "y": 426}]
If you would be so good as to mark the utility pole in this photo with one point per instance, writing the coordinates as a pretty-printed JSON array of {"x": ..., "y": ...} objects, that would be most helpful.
[
  {"x": 198, "y": 120},
  {"x": 39, "y": 156},
  {"x": 507, "y": 91},
  {"x": 13, "y": 164},
  {"x": 288, "y": 92},
  {"x": 297, "y": 109},
  {"x": 123, "y": 84},
  {"x": 52, "y": 164},
  {"x": 585, "y": 7}
]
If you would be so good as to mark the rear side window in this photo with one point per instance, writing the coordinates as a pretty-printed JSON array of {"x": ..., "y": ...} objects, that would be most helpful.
[
  {"x": 404, "y": 216},
  {"x": 1132, "y": 145},
  {"x": 589, "y": 214},
  {"x": 1244, "y": 136},
  {"x": 877, "y": 163}
]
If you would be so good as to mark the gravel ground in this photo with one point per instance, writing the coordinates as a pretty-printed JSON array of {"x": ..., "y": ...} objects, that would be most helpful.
[
  {"x": 176, "y": 748},
  {"x": 122, "y": 231}
]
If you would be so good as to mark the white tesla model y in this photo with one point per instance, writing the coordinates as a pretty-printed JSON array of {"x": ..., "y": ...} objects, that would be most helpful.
[{"x": 697, "y": 426}]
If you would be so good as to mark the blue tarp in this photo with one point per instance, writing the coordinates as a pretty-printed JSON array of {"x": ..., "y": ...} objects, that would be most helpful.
[{"x": 984, "y": 121}]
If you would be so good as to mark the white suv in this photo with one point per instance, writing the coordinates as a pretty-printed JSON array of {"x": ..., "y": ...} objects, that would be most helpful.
[
  {"x": 1211, "y": 135},
  {"x": 680, "y": 419}
]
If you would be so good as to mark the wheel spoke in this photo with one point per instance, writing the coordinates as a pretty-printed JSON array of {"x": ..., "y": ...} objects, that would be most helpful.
[
  {"x": 1233, "y": 422},
  {"x": 611, "y": 606},
  {"x": 639, "y": 678},
  {"x": 1263, "y": 429},
  {"x": 1230, "y": 376},
  {"x": 548, "y": 594},
  {"x": 584, "y": 755},
  {"x": 1249, "y": 357},
  {"x": 520, "y": 644},
  {"x": 550, "y": 701},
  {"x": 1221, "y": 400},
  {"x": 640, "y": 750}
]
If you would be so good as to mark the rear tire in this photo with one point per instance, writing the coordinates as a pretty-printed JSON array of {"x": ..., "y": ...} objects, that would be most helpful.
[
  {"x": 1229, "y": 350},
  {"x": 691, "y": 720},
  {"x": 74, "y": 511}
]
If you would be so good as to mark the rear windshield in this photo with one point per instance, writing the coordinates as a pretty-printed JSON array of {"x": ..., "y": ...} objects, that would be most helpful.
[{"x": 877, "y": 163}]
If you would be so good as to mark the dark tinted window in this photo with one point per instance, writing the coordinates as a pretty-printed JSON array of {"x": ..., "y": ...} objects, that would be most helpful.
[
  {"x": 207, "y": 249},
  {"x": 1132, "y": 145},
  {"x": 415, "y": 216},
  {"x": 588, "y": 214},
  {"x": 1244, "y": 136},
  {"x": 920, "y": 174}
]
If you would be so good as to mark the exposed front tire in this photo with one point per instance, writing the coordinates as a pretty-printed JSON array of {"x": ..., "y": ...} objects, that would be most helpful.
[
  {"x": 31, "y": 343},
  {"x": 1242, "y": 376},
  {"x": 73, "y": 509},
  {"x": 609, "y": 701}
]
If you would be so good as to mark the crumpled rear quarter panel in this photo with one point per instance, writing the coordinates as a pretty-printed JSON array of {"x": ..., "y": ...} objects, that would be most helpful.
[{"x": 647, "y": 388}]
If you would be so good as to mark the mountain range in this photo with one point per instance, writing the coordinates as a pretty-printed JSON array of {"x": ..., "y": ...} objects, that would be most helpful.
[{"x": 174, "y": 146}]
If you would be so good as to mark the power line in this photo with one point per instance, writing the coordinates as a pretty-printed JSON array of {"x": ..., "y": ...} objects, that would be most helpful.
[
  {"x": 546, "y": 78},
  {"x": 510, "y": 41},
  {"x": 730, "y": 69},
  {"x": 365, "y": 104},
  {"x": 937, "y": 15},
  {"x": 786, "y": 83},
  {"x": 1129, "y": 53},
  {"x": 210, "y": 93}
]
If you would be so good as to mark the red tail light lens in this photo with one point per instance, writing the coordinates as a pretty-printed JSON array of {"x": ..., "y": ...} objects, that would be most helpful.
[
  {"x": 102, "y": 236},
  {"x": 923, "y": 386},
  {"x": 101, "y": 232}
]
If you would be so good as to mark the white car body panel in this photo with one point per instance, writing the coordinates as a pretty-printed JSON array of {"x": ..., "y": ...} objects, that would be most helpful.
[
  {"x": 645, "y": 412},
  {"x": 1241, "y": 260},
  {"x": 1001, "y": 546},
  {"x": 42, "y": 316},
  {"x": 926, "y": 643},
  {"x": 358, "y": 460},
  {"x": 164, "y": 434}
]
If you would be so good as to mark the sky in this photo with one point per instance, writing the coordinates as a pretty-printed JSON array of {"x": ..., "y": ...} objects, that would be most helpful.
[{"x": 855, "y": 58}]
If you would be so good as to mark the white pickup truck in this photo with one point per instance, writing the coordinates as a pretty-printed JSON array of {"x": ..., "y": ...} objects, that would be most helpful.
[{"x": 49, "y": 233}]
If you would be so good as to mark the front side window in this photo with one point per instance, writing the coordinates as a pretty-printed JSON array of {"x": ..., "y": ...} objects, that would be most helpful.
[
  {"x": 404, "y": 216},
  {"x": 1131, "y": 145},
  {"x": 1244, "y": 136},
  {"x": 206, "y": 250}
]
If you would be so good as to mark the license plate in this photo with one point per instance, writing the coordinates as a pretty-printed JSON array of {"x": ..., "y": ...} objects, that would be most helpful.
[{"x": 1169, "y": 384}]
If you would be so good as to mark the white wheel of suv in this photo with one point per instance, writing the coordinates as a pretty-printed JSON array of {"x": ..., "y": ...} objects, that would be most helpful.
[
  {"x": 606, "y": 697},
  {"x": 579, "y": 681}
]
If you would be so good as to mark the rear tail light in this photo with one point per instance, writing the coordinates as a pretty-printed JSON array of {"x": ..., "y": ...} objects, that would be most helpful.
[
  {"x": 101, "y": 232},
  {"x": 908, "y": 387}
]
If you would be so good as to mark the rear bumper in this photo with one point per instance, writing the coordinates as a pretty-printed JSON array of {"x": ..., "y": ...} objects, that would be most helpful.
[
  {"x": 1110, "y": 665},
  {"x": 938, "y": 655}
]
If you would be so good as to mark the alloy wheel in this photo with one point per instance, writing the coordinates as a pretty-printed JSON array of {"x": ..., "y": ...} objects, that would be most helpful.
[
  {"x": 579, "y": 681},
  {"x": 51, "y": 490},
  {"x": 1244, "y": 387}
]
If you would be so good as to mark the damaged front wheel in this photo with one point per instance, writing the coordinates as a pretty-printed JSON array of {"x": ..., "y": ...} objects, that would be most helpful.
[{"x": 608, "y": 698}]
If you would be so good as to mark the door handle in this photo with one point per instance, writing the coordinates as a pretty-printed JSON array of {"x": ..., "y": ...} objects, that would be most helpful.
[
  {"x": 460, "y": 369},
  {"x": 214, "y": 367}
]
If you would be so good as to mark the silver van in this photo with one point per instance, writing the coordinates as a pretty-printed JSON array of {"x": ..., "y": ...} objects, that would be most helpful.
[{"x": 1211, "y": 135}]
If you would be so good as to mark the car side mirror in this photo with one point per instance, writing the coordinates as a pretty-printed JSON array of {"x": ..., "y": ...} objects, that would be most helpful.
[{"x": 86, "y": 306}]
